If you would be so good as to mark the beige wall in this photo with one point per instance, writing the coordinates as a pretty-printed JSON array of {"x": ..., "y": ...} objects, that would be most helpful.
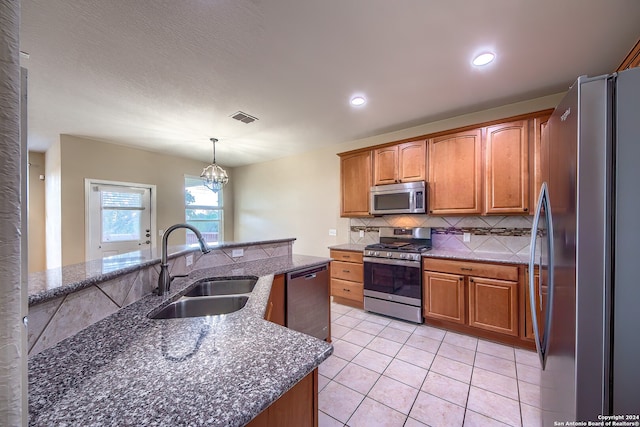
[
  {"x": 299, "y": 196},
  {"x": 36, "y": 212},
  {"x": 53, "y": 208},
  {"x": 84, "y": 158},
  {"x": 292, "y": 197}
]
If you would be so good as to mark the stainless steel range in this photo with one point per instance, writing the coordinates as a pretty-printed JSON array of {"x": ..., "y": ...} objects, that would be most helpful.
[{"x": 392, "y": 273}]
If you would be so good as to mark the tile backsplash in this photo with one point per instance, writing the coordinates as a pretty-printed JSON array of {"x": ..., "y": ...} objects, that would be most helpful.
[{"x": 497, "y": 234}]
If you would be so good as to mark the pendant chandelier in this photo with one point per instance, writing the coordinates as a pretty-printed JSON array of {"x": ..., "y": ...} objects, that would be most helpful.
[{"x": 213, "y": 176}]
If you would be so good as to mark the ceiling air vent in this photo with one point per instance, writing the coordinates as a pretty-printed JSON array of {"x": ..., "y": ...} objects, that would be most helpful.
[{"x": 243, "y": 117}]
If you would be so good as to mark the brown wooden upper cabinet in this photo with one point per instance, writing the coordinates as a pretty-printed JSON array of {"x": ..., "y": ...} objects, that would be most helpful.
[
  {"x": 455, "y": 164},
  {"x": 404, "y": 162},
  {"x": 355, "y": 184},
  {"x": 540, "y": 158},
  {"x": 507, "y": 168},
  {"x": 493, "y": 169},
  {"x": 632, "y": 60}
]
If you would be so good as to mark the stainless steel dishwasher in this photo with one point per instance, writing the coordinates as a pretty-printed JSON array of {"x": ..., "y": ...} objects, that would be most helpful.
[{"x": 308, "y": 301}]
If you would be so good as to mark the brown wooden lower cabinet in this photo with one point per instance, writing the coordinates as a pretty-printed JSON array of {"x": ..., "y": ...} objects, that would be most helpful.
[
  {"x": 493, "y": 305},
  {"x": 443, "y": 297},
  {"x": 296, "y": 408},
  {"x": 477, "y": 298},
  {"x": 347, "y": 273},
  {"x": 528, "y": 321}
]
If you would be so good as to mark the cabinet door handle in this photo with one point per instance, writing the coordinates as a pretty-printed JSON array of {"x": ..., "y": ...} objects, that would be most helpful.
[
  {"x": 525, "y": 209},
  {"x": 466, "y": 269},
  {"x": 461, "y": 278},
  {"x": 346, "y": 271},
  {"x": 471, "y": 280},
  {"x": 346, "y": 290},
  {"x": 346, "y": 256}
]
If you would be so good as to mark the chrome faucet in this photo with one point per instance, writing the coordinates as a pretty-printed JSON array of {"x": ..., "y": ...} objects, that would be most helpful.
[{"x": 164, "y": 280}]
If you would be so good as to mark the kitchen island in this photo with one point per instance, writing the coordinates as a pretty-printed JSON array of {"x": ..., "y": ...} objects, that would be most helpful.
[{"x": 128, "y": 369}]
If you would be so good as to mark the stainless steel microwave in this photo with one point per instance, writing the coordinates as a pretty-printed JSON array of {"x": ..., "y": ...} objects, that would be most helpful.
[{"x": 406, "y": 198}]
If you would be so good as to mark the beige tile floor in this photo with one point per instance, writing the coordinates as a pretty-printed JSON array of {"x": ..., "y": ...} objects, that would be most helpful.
[{"x": 386, "y": 372}]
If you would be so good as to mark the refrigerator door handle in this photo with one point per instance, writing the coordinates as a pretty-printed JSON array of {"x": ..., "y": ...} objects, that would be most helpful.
[
  {"x": 532, "y": 261},
  {"x": 550, "y": 280}
]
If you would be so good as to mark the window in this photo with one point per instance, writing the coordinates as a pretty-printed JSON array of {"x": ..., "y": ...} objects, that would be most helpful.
[{"x": 203, "y": 210}]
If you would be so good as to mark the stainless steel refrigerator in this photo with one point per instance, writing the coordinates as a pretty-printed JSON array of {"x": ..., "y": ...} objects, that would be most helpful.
[{"x": 585, "y": 242}]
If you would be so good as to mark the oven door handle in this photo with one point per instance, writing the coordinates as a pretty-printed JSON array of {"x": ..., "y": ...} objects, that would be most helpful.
[{"x": 405, "y": 263}]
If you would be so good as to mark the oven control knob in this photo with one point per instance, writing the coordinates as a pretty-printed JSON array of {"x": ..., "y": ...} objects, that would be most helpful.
[
  {"x": 376, "y": 253},
  {"x": 403, "y": 256},
  {"x": 389, "y": 254}
]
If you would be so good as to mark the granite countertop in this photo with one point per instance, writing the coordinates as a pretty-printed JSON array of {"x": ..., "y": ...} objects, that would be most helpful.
[
  {"x": 352, "y": 247},
  {"x": 507, "y": 258},
  {"x": 204, "y": 371},
  {"x": 54, "y": 282}
]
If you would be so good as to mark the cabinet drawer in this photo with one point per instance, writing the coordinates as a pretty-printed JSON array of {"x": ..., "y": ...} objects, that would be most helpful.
[
  {"x": 346, "y": 256},
  {"x": 494, "y": 271},
  {"x": 349, "y": 290},
  {"x": 347, "y": 271}
]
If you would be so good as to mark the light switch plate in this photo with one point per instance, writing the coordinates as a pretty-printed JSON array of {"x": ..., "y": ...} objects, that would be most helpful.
[
  {"x": 235, "y": 253},
  {"x": 361, "y": 233},
  {"x": 332, "y": 232},
  {"x": 466, "y": 237},
  {"x": 160, "y": 232},
  {"x": 189, "y": 260}
]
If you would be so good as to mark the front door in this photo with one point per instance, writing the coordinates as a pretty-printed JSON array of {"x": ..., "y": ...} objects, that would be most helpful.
[{"x": 119, "y": 218}]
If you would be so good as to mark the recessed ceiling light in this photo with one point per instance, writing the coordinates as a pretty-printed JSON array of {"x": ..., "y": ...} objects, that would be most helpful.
[
  {"x": 483, "y": 59},
  {"x": 357, "y": 101}
]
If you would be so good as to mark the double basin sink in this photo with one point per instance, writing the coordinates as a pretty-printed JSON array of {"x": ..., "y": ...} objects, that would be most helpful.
[{"x": 209, "y": 297}]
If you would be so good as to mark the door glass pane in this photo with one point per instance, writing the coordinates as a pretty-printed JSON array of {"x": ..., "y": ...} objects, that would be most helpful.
[
  {"x": 120, "y": 225},
  {"x": 121, "y": 214},
  {"x": 117, "y": 199}
]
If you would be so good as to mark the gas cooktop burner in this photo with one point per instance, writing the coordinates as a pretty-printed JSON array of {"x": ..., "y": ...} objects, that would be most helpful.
[
  {"x": 396, "y": 247},
  {"x": 400, "y": 243},
  {"x": 388, "y": 245}
]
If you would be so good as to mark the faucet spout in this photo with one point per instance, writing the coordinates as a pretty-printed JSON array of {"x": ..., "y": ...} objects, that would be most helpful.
[{"x": 164, "y": 279}]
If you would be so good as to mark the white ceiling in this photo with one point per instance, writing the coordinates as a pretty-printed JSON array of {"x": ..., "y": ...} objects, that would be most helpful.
[{"x": 165, "y": 75}]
